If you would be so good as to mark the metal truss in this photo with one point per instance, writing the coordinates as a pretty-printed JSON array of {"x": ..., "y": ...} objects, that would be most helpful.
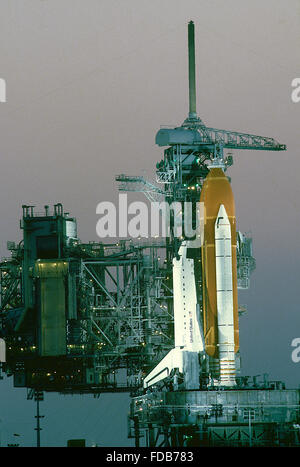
[
  {"x": 139, "y": 184},
  {"x": 236, "y": 140},
  {"x": 10, "y": 284},
  {"x": 122, "y": 322},
  {"x": 232, "y": 139},
  {"x": 125, "y": 320}
]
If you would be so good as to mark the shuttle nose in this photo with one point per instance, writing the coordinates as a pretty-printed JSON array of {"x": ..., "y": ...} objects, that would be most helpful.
[{"x": 222, "y": 218}]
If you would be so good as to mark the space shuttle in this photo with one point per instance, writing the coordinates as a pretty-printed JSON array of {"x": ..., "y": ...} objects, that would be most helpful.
[
  {"x": 212, "y": 330},
  {"x": 206, "y": 333}
]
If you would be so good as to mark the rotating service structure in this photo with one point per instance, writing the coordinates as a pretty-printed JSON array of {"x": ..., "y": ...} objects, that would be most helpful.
[{"x": 74, "y": 316}]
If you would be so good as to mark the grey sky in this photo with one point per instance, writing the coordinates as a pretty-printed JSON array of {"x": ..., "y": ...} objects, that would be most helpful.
[{"x": 88, "y": 85}]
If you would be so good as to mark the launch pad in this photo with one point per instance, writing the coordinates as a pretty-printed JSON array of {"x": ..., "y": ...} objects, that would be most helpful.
[
  {"x": 152, "y": 317},
  {"x": 238, "y": 417}
]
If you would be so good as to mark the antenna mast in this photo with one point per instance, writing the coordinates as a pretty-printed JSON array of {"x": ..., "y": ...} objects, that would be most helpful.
[{"x": 192, "y": 72}]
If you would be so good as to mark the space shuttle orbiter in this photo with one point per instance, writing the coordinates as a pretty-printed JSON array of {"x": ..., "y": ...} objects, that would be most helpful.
[{"x": 187, "y": 329}]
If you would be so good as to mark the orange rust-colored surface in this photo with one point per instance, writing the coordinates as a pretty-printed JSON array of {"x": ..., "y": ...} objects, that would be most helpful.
[{"x": 216, "y": 191}]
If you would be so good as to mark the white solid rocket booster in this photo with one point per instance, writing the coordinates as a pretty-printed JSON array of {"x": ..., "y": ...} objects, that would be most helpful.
[{"x": 224, "y": 298}]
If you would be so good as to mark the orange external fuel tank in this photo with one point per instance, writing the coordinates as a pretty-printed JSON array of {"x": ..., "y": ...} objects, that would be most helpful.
[{"x": 216, "y": 191}]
